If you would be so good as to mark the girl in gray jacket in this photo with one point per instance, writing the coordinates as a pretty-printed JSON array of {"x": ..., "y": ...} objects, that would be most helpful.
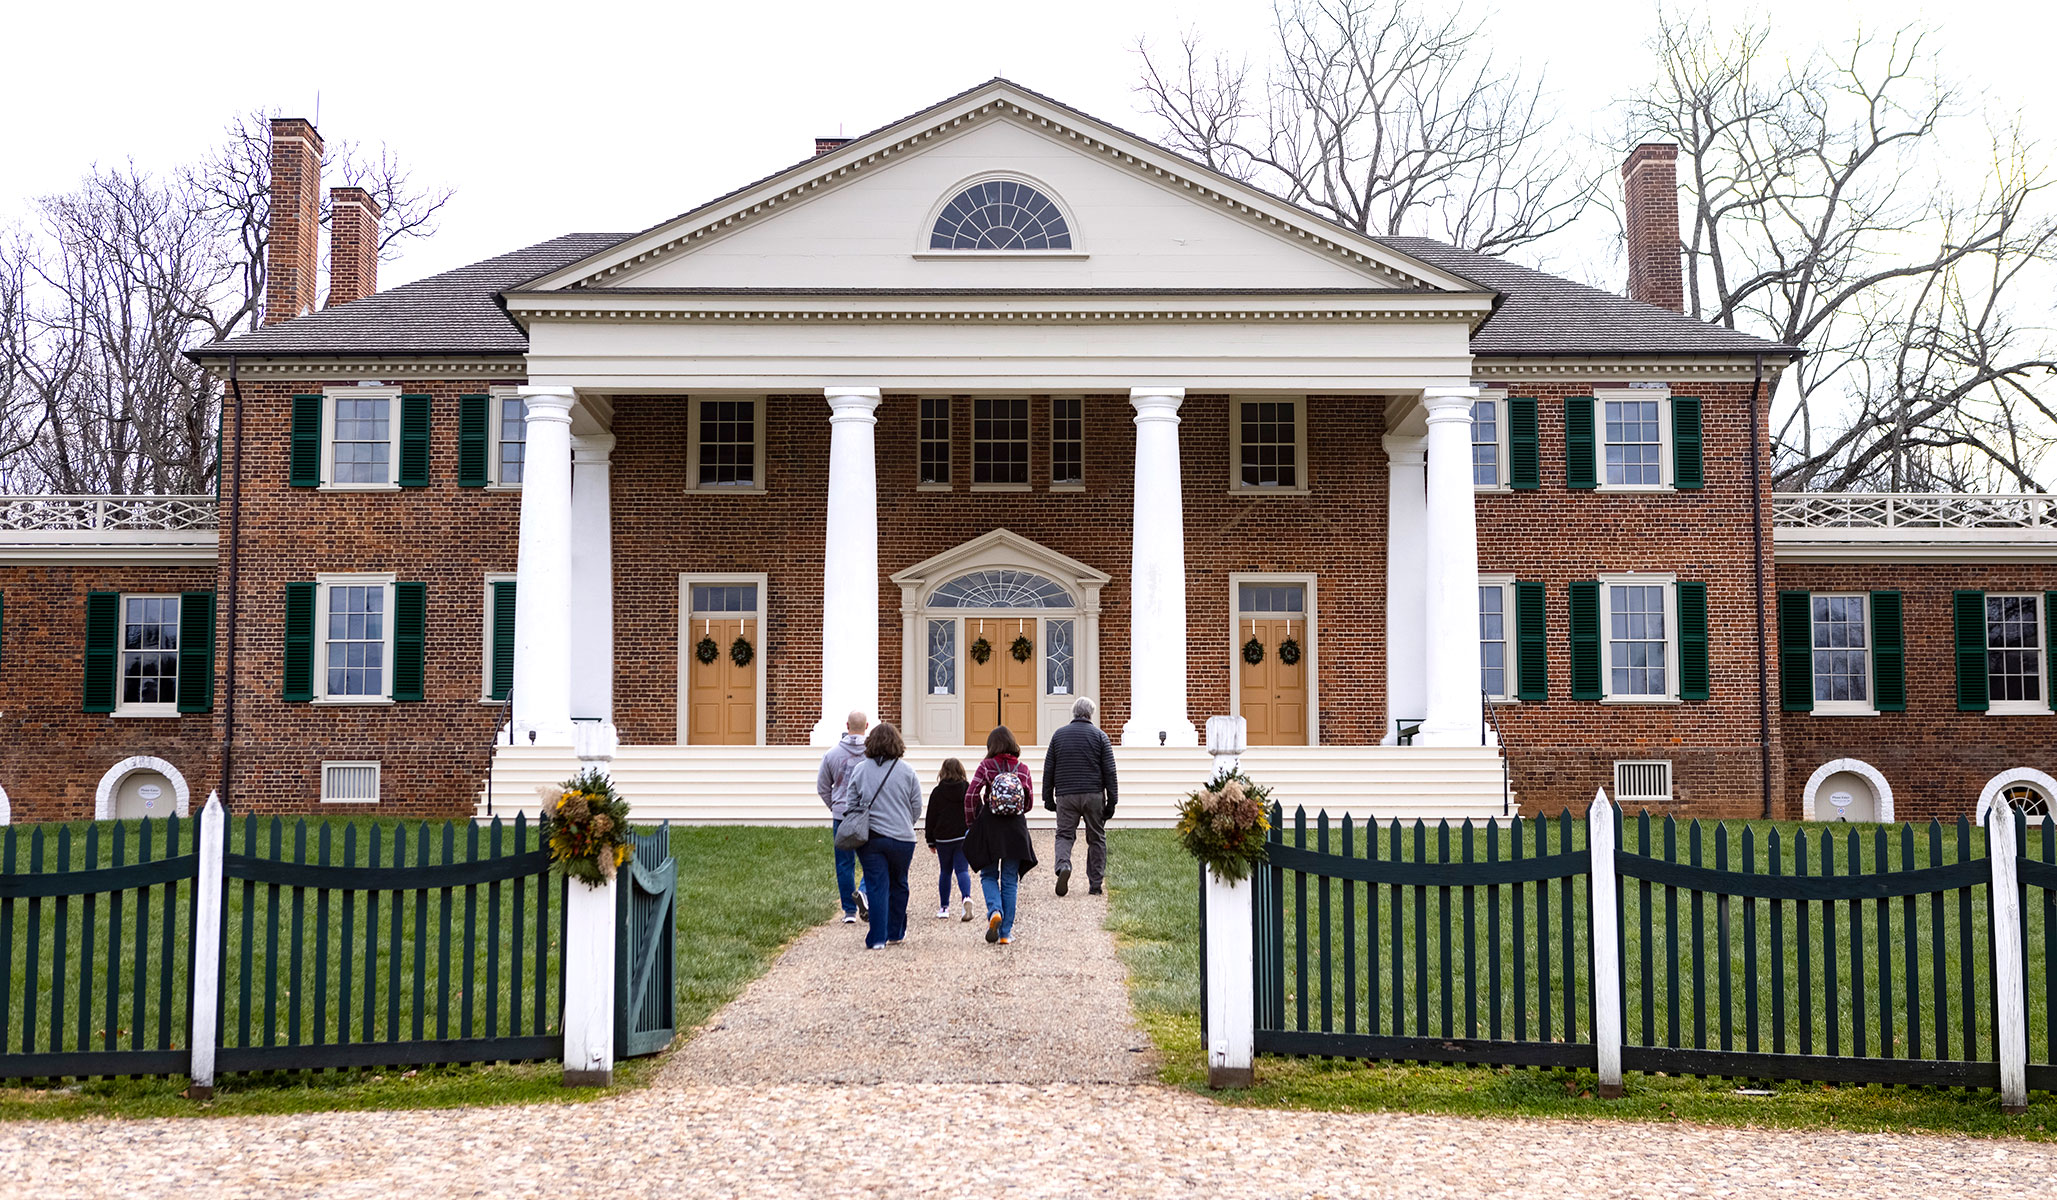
[{"x": 885, "y": 785}]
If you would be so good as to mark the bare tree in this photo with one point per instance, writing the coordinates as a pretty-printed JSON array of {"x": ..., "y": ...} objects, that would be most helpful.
[
  {"x": 1380, "y": 118},
  {"x": 1820, "y": 211}
]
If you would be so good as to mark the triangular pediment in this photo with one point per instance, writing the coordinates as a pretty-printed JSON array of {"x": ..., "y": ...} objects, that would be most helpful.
[{"x": 1142, "y": 219}]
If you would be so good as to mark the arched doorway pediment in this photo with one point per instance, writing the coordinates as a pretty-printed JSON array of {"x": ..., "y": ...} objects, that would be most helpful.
[{"x": 1003, "y": 550}]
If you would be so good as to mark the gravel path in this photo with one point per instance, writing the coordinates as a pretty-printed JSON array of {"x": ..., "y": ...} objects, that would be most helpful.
[
  {"x": 944, "y": 1007},
  {"x": 846, "y": 1073}
]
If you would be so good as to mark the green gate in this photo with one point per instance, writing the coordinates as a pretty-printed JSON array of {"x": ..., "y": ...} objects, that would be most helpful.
[{"x": 645, "y": 990}]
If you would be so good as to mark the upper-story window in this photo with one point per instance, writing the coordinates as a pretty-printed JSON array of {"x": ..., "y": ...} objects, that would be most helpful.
[
  {"x": 1000, "y": 441},
  {"x": 1067, "y": 441},
  {"x": 725, "y": 445},
  {"x": 1488, "y": 444},
  {"x": 1270, "y": 446},
  {"x": 1635, "y": 442},
  {"x": 935, "y": 442},
  {"x": 363, "y": 437},
  {"x": 510, "y": 439},
  {"x": 1000, "y": 214}
]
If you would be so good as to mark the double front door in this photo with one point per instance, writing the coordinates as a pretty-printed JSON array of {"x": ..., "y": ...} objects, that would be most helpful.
[{"x": 1001, "y": 690}]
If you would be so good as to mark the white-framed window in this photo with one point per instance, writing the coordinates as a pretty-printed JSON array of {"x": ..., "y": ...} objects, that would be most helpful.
[
  {"x": 942, "y": 674},
  {"x": 1067, "y": 442},
  {"x": 1496, "y": 657},
  {"x": 353, "y": 639},
  {"x": 507, "y": 429},
  {"x": 1000, "y": 442},
  {"x": 360, "y": 438},
  {"x": 1268, "y": 446},
  {"x": 725, "y": 444},
  {"x": 149, "y": 656},
  {"x": 932, "y": 443},
  {"x": 1000, "y": 214},
  {"x": 350, "y": 782},
  {"x": 1642, "y": 781},
  {"x": 1632, "y": 429},
  {"x": 1489, "y": 442},
  {"x": 1639, "y": 638},
  {"x": 2016, "y": 666},
  {"x": 1841, "y": 626}
]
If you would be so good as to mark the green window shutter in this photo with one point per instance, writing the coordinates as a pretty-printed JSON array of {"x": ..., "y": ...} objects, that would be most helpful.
[
  {"x": 1687, "y": 468},
  {"x": 501, "y": 682},
  {"x": 2049, "y": 643},
  {"x": 1796, "y": 651},
  {"x": 1974, "y": 691},
  {"x": 1888, "y": 654},
  {"x": 1524, "y": 454},
  {"x": 103, "y": 638},
  {"x": 414, "y": 441},
  {"x": 1579, "y": 471},
  {"x": 1585, "y": 641},
  {"x": 474, "y": 414},
  {"x": 410, "y": 620},
  {"x": 1532, "y": 651},
  {"x": 196, "y": 652},
  {"x": 1692, "y": 641},
  {"x": 306, "y": 459},
  {"x": 299, "y": 648}
]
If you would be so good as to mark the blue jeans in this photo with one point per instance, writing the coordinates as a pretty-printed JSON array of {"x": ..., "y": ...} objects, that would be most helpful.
[
  {"x": 950, "y": 861},
  {"x": 998, "y": 882},
  {"x": 885, "y": 862},
  {"x": 846, "y": 872}
]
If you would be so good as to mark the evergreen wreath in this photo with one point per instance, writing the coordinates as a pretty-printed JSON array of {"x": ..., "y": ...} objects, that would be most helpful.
[
  {"x": 741, "y": 652},
  {"x": 981, "y": 651},
  {"x": 1225, "y": 825},
  {"x": 1253, "y": 651},
  {"x": 1289, "y": 652},
  {"x": 585, "y": 824},
  {"x": 1022, "y": 648},
  {"x": 705, "y": 650}
]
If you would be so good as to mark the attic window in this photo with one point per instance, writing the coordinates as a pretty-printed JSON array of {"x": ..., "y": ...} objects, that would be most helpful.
[{"x": 1000, "y": 214}]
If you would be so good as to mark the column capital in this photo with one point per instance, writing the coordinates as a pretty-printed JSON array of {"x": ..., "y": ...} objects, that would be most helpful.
[
  {"x": 1157, "y": 403},
  {"x": 592, "y": 447},
  {"x": 1449, "y": 403},
  {"x": 1402, "y": 448},
  {"x": 547, "y": 403},
  {"x": 852, "y": 403}
]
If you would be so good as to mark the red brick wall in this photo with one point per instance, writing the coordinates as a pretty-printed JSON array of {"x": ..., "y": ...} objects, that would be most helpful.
[
  {"x": 1936, "y": 758},
  {"x": 52, "y": 752},
  {"x": 1562, "y": 749}
]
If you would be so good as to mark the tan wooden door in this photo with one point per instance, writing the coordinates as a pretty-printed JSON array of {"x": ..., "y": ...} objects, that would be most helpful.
[
  {"x": 1000, "y": 691},
  {"x": 721, "y": 697},
  {"x": 1273, "y": 694}
]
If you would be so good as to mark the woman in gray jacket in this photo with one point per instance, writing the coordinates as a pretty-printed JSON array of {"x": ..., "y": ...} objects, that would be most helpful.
[{"x": 885, "y": 785}]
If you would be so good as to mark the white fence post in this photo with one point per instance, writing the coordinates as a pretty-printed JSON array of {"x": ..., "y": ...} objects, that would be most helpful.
[
  {"x": 205, "y": 1007},
  {"x": 1231, "y": 983},
  {"x": 2010, "y": 1031},
  {"x": 1606, "y": 944},
  {"x": 589, "y": 931}
]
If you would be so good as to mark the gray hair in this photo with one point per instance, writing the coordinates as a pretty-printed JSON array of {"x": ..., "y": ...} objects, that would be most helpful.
[{"x": 1083, "y": 707}]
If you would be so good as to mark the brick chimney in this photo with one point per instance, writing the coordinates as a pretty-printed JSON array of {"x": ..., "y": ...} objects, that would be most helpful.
[
  {"x": 1649, "y": 186},
  {"x": 353, "y": 245},
  {"x": 291, "y": 262},
  {"x": 822, "y": 145}
]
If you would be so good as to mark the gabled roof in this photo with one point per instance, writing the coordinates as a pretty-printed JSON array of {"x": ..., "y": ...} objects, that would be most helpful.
[{"x": 456, "y": 312}]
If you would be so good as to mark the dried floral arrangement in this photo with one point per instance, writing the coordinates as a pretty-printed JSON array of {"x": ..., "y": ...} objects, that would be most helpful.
[
  {"x": 1224, "y": 825},
  {"x": 586, "y": 825}
]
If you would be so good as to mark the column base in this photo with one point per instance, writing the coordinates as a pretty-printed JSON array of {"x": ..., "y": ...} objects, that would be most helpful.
[
  {"x": 1460, "y": 736},
  {"x": 563, "y": 737},
  {"x": 1143, "y": 732},
  {"x": 588, "y": 1078},
  {"x": 1231, "y": 1077}
]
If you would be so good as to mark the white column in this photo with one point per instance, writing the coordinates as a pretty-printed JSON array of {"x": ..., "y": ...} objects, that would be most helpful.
[
  {"x": 592, "y": 579},
  {"x": 1231, "y": 1031},
  {"x": 850, "y": 565},
  {"x": 589, "y": 919},
  {"x": 1452, "y": 573},
  {"x": 1406, "y": 568},
  {"x": 207, "y": 887},
  {"x": 1606, "y": 943},
  {"x": 1157, "y": 579},
  {"x": 542, "y": 611}
]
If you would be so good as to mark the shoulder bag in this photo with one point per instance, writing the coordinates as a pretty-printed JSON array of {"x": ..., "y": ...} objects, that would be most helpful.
[{"x": 855, "y": 828}]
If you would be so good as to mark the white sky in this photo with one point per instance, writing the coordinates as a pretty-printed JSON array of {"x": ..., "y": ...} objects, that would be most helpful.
[{"x": 601, "y": 115}]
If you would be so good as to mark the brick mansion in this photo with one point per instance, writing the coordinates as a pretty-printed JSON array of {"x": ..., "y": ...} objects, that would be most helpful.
[{"x": 990, "y": 408}]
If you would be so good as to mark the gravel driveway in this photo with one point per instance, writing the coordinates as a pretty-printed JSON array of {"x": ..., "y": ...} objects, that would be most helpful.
[{"x": 850, "y": 1073}]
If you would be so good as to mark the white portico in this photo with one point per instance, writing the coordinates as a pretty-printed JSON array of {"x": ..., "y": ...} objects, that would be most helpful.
[{"x": 1135, "y": 275}]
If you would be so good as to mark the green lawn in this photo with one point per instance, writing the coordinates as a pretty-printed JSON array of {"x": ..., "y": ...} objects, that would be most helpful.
[
  {"x": 744, "y": 892},
  {"x": 1154, "y": 897}
]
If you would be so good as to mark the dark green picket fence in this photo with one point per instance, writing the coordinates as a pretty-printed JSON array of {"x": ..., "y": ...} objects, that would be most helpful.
[{"x": 1841, "y": 954}]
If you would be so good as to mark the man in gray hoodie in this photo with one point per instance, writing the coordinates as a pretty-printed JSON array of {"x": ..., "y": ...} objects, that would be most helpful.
[{"x": 828, "y": 784}]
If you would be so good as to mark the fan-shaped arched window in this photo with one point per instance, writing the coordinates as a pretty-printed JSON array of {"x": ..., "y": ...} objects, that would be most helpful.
[
  {"x": 1001, "y": 588},
  {"x": 1000, "y": 214}
]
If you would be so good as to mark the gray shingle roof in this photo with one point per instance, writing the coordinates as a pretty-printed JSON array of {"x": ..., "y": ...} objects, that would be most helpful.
[
  {"x": 1542, "y": 314},
  {"x": 457, "y": 312}
]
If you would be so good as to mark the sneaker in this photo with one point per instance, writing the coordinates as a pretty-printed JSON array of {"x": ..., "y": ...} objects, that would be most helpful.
[
  {"x": 1063, "y": 880},
  {"x": 967, "y": 909},
  {"x": 944, "y": 913},
  {"x": 1096, "y": 890},
  {"x": 1005, "y": 941},
  {"x": 880, "y": 947},
  {"x": 863, "y": 906},
  {"x": 993, "y": 927},
  {"x": 895, "y": 941},
  {"x": 849, "y": 918}
]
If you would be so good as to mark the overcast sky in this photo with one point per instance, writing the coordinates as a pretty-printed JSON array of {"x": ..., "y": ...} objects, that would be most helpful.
[{"x": 596, "y": 115}]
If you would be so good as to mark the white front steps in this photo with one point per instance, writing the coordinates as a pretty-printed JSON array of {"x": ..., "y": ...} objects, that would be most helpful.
[{"x": 774, "y": 785}]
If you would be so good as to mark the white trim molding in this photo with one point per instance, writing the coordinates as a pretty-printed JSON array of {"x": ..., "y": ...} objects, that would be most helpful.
[
  {"x": 2039, "y": 780},
  {"x": 1881, "y": 791},
  {"x": 110, "y": 783}
]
